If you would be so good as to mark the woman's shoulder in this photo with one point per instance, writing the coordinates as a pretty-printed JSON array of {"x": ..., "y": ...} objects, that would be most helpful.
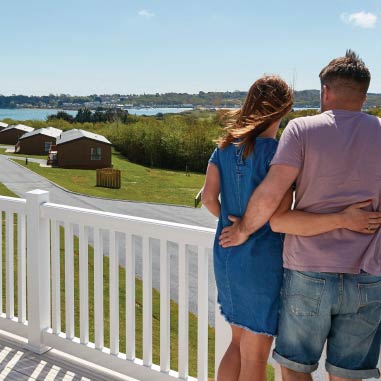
[
  {"x": 266, "y": 142},
  {"x": 265, "y": 146}
]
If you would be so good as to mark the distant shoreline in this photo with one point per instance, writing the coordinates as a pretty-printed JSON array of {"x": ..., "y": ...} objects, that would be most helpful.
[{"x": 24, "y": 114}]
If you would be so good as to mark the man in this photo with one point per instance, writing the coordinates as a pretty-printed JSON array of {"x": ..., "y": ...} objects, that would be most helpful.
[{"x": 332, "y": 283}]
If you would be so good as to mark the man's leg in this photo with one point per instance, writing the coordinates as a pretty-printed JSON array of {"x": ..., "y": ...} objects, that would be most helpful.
[
  {"x": 291, "y": 375},
  {"x": 334, "y": 378},
  {"x": 304, "y": 322}
]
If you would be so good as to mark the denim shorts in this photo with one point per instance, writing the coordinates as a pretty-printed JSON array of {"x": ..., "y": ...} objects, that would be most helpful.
[{"x": 343, "y": 310}]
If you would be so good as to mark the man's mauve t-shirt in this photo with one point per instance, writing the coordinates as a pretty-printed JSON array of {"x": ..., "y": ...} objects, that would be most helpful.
[{"x": 338, "y": 153}]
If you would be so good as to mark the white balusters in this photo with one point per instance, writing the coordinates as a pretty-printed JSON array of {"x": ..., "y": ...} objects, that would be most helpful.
[
  {"x": 202, "y": 312},
  {"x": 130, "y": 297},
  {"x": 69, "y": 280},
  {"x": 9, "y": 265},
  {"x": 222, "y": 339},
  {"x": 98, "y": 289},
  {"x": 114, "y": 294},
  {"x": 83, "y": 285},
  {"x": 165, "y": 276},
  {"x": 183, "y": 354},
  {"x": 44, "y": 246},
  {"x": 21, "y": 267},
  {"x": 147, "y": 301},
  {"x": 1, "y": 262},
  {"x": 56, "y": 276}
]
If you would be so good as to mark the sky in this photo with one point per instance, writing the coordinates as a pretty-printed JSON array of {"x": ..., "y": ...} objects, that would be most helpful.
[{"x": 83, "y": 47}]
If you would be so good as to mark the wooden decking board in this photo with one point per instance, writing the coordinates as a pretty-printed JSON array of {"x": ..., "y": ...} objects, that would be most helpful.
[{"x": 17, "y": 363}]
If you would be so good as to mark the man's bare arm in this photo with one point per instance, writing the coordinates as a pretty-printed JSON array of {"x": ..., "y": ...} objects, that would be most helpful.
[{"x": 262, "y": 205}]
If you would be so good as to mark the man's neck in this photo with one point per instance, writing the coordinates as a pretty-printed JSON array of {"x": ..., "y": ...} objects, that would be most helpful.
[{"x": 343, "y": 106}]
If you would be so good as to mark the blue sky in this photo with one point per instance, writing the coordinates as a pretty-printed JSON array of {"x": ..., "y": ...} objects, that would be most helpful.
[{"x": 127, "y": 46}]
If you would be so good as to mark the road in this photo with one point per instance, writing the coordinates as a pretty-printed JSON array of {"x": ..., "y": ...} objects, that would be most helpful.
[{"x": 20, "y": 181}]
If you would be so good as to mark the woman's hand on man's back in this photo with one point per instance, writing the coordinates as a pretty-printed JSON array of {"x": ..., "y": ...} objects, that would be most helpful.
[{"x": 358, "y": 220}]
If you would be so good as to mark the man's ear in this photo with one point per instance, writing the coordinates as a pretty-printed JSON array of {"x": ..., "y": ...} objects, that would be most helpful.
[{"x": 326, "y": 93}]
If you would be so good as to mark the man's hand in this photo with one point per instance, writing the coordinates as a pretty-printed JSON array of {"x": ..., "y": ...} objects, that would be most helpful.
[
  {"x": 361, "y": 221},
  {"x": 233, "y": 235}
]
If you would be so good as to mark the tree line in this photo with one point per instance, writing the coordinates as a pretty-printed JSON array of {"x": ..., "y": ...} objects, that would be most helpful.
[
  {"x": 171, "y": 141},
  {"x": 85, "y": 115},
  {"x": 304, "y": 98}
]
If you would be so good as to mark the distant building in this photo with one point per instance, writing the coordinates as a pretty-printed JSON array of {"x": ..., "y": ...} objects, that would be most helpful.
[
  {"x": 11, "y": 134},
  {"x": 38, "y": 142},
  {"x": 3, "y": 125},
  {"x": 81, "y": 149}
]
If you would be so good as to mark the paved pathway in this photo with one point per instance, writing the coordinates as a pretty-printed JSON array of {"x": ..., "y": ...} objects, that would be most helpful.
[{"x": 20, "y": 181}]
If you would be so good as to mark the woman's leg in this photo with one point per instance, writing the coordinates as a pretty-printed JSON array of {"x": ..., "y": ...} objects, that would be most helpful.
[
  {"x": 231, "y": 363},
  {"x": 255, "y": 350}
]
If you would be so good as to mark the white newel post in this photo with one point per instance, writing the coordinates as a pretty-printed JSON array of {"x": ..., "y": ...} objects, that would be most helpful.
[{"x": 38, "y": 270}]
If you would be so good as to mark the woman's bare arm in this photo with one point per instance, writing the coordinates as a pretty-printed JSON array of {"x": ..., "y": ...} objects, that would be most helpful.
[
  {"x": 211, "y": 190},
  {"x": 302, "y": 223}
]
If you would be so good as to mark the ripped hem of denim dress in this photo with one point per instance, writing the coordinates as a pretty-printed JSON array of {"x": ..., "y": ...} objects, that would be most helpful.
[{"x": 243, "y": 326}]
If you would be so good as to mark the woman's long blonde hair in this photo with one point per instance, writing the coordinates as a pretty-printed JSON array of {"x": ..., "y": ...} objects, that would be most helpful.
[{"x": 268, "y": 100}]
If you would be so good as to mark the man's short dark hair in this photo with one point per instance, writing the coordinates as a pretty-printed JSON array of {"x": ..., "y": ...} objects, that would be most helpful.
[{"x": 347, "y": 73}]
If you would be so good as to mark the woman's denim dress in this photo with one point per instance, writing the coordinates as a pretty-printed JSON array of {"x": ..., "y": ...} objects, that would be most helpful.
[{"x": 249, "y": 276}]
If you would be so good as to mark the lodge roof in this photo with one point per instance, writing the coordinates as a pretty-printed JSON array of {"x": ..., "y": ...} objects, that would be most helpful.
[
  {"x": 3, "y": 125},
  {"x": 75, "y": 134},
  {"x": 20, "y": 127},
  {"x": 47, "y": 131}
]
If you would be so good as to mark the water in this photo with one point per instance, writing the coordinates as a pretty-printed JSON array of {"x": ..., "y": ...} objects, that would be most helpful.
[{"x": 42, "y": 114}]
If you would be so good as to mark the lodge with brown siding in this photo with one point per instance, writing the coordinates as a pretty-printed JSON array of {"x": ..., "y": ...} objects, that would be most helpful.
[
  {"x": 11, "y": 134},
  {"x": 83, "y": 150},
  {"x": 38, "y": 142}
]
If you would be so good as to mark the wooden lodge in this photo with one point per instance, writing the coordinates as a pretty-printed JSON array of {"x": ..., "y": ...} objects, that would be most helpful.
[
  {"x": 38, "y": 142},
  {"x": 81, "y": 149},
  {"x": 11, "y": 134}
]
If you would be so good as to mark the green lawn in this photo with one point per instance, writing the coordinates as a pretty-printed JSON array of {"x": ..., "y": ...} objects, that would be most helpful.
[
  {"x": 139, "y": 183},
  {"x": 4, "y": 191}
]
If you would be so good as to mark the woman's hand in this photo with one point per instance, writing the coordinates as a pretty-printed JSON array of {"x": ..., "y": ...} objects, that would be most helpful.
[{"x": 358, "y": 220}]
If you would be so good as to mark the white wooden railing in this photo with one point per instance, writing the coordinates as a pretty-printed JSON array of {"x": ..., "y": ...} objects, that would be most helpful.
[
  {"x": 42, "y": 223},
  {"x": 36, "y": 244}
]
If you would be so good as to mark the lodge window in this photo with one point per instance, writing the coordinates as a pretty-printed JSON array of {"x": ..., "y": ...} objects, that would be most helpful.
[
  {"x": 47, "y": 146},
  {"x": 96, "y": 153}
]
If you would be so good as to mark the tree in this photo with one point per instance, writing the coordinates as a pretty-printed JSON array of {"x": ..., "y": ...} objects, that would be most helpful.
[
  {"x": 84, "y": 115},
  {"x": 61, "y": 115}
]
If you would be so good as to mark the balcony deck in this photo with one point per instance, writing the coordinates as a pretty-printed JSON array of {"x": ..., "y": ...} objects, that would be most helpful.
[{"x": 17, "y": 363}]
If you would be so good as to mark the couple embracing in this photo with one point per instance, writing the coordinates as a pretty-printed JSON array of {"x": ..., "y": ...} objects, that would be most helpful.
[{"x": 327, "y": 287}]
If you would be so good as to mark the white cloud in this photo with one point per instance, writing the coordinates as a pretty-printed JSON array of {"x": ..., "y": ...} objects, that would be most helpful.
[
  {"x": 146, "y": 14},
  {"x": 360, "y": 19}
]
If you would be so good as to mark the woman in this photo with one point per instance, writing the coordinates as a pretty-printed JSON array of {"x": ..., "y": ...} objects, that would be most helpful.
[{"x": 249, "y": 276}]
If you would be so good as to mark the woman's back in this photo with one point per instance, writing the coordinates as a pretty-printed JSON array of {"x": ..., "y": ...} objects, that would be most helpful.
[
  {"x": 244, "y": 272},
  {"x": 240, "y": 176}
]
